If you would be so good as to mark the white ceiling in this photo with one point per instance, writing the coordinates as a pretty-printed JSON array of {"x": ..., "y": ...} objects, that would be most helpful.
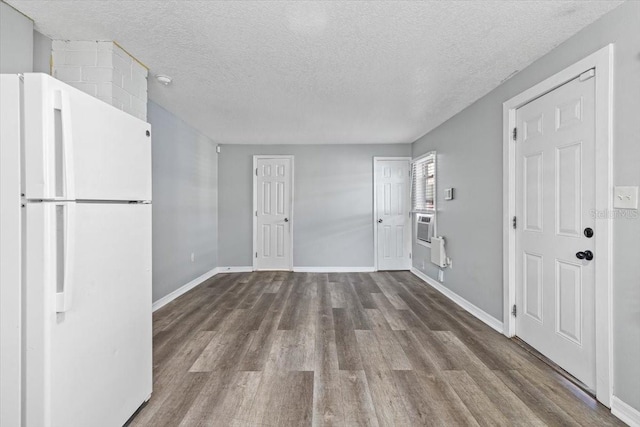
[{"x": 321, "y": 72}]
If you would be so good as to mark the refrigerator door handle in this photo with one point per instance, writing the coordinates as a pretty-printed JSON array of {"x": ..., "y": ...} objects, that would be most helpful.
[
  {"x": 61, "y": 103},
  {"x": 65, "y": 293}
]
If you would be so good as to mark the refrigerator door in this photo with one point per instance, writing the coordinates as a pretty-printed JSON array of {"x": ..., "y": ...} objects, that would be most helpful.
[
  {"x": 88, "y": 311},
  {"x": 80, "y": 148}
]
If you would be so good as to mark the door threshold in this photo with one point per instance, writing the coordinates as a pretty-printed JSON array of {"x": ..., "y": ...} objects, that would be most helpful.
[{"x": 559, "y": 370}]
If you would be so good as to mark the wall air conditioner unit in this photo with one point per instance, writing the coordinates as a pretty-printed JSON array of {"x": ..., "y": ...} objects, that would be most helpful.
[{"x": 424, "y": 228}]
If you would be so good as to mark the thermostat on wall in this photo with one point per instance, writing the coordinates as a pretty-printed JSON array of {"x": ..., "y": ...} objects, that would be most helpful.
[{"x": 448, "y": 193}]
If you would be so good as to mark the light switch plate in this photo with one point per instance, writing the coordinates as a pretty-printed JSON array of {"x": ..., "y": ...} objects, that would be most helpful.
[
  {"x": 625, "y": 197},
  {"x": 448, "y": 193}
]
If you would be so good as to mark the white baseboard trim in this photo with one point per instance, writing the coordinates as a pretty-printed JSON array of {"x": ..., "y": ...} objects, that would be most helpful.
[
  {"x": 477, "y": 312},
  {"x": 625, "y": 412},
  {"x": 248, "y": 269},
  {"x": 183, "y": 289},
  {"x": 333, "y": 269}
]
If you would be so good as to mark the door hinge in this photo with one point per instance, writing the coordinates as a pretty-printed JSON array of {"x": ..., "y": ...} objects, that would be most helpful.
[
  {"x": 515, "y": 222},
  {"x": 587, "y": 75},
  {"x": 514, "y": 311},
  {"x": 409, "y": 255},
  {"x": 515, "y": 134},
  {"x": 256, "y": 171},
  {"x": 257, "y": 257},
  {"x": 256, "y": 213}
]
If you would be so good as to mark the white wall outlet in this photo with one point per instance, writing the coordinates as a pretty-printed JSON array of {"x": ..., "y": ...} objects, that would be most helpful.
[
  {"x": 625, "y": 197},
  {"x": 193, "y": 257},
  {"x": 441, "y": 276}
]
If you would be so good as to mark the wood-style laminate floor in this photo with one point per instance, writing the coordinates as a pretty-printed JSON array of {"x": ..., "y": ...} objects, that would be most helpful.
[{"x": 381, "y": 349}]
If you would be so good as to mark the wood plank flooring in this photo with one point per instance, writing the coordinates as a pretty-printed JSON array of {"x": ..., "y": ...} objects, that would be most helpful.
[{"x": 370, "y": 349}]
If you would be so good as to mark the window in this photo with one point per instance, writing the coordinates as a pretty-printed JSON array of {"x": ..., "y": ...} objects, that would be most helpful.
[{"x": 423, "y": 184}]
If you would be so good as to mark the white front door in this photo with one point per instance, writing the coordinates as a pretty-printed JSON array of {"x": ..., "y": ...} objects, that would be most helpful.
[
  {"x": 555, "y": 234},
  {"x": 392, "y": 214},
  {"x": 273, "y": 199}
]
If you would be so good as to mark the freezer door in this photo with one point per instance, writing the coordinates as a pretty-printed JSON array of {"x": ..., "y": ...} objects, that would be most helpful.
[
  {"x": 78, "y": 147},
  {"x": 88, "y": 313}
]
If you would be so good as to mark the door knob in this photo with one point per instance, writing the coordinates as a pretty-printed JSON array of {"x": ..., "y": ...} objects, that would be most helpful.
[
  {"x": 380, "y": 221},
  {"x": 588, "y": 232},
  {"x": 286, "y": 220},
  {"x": 588, "y": 255}
]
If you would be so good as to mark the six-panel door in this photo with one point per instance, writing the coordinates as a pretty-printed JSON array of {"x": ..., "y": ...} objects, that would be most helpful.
[
  {"x": 555, "y": 199},
  {"x": 392, "y": 214},
  {"x": 273, "y": 214}
]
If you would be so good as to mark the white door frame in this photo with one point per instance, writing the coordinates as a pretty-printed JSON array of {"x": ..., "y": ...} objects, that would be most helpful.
[
  {"x": 375, "y": 210},
  {"x": 255, "y": 207},
  {"x": 602, "y": 61}
]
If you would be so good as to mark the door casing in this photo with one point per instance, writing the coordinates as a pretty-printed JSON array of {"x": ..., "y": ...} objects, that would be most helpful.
[
  {"x": 602, "y": 61},
  {"x": 409, "y": 241},
  {"x": 255, "y": 206}
]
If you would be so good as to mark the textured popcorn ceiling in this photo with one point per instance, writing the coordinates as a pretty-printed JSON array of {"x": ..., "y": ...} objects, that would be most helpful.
[{"x": 321, "y": 72}]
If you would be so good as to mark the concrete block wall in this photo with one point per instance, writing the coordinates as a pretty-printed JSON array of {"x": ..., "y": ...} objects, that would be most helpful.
[{"x": 104, "y": 70}]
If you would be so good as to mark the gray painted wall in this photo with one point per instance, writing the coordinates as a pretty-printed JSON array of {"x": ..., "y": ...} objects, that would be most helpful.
[
  {"x": 333, "y": 206},
  {"x": 41, "y": 53},
  {"x": 469, "y": 149},
  {"x": 16, "y": 41},
  {"x": 185, "y": 202}
]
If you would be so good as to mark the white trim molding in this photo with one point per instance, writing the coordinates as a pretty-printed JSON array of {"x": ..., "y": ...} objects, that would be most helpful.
[
  {"x": 334, "y": 269},
  {"x": 482, "y": 315},
  {"x": 602, "y": 62},
  {"x": 241, "y": 269},
  {"x": 183, "y": 289},
  {"x": 625, "y": 412}
]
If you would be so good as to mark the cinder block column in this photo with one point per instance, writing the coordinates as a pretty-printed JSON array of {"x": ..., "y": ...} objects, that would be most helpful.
[{"x": 103, "y": 70}]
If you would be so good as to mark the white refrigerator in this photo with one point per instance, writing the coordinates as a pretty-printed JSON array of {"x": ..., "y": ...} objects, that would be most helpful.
[{"x": 75, "y": 257}]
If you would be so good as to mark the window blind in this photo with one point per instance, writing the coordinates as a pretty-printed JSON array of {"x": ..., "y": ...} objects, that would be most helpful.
[{"x": 423, "y": 184}]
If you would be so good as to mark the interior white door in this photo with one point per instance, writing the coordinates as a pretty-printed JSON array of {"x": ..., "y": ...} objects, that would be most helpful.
[
  {"x": 89, "y": 363},
  {"x": 274, "y": 182},
  {"x": 79, "y": 147},
  {"x": 555, "y": 202},
  {"x": 392, "y": 185}
]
